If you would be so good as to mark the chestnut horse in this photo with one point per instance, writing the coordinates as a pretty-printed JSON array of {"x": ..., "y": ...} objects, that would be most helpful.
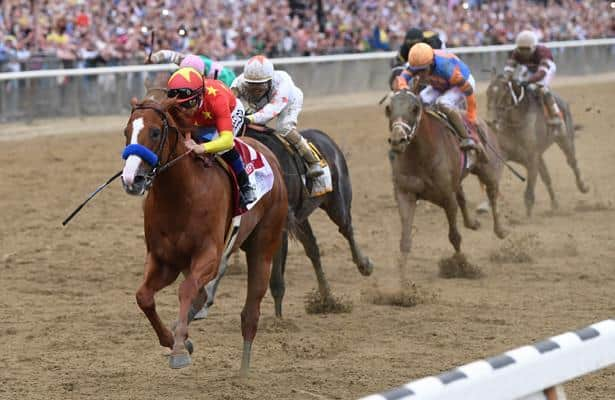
[
  {"x": 187, "y": 215},
  {"x": 427, "y": 164}
]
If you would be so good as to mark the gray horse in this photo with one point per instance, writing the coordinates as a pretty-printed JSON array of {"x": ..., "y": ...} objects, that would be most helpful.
[{"x": 515, "y": 113}]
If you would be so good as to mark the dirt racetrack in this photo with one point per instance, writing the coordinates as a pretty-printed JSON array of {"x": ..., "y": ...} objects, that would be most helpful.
[{"x": 70, "y": 327}]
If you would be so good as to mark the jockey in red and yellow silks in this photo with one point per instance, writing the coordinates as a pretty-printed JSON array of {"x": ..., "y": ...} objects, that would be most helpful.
[
  {"x": 450, "y": 82},
  {"x": 218, "y": 116}
]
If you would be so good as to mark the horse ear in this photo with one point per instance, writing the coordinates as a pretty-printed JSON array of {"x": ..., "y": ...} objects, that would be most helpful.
[{"x": 133, "y": 102}]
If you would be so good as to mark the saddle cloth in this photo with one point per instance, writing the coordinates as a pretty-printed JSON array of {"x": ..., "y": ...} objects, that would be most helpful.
[{"x": 258, "y": 169}]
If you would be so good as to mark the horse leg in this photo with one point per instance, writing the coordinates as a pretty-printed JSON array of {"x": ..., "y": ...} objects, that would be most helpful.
[
  {"x": 546, "y": 179},
  {"x": 306, "y": 236},
  {"x": 156, "y": 278},
  {"x": 339, "y": 213},
  {"x": 276, "y": 283},
  {"x": 260, "y": 253},
  {"x": 450, "y": 208},
  {"x": 567, "y": 145},
  {"x": 470, "y": 223},
  {"x": 532, "y": 174},
  {"x": 203, "y": 269},
  {"x": 406, "y": 202},
  {"x": 489, "y": 176}
]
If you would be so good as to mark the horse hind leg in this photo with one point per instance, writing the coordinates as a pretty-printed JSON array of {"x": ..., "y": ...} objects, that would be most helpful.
[
  {"x": 260, "y": 252},
  {"x": 546, "y": 179},
  {"x": 306, "y": 236},
  {"x": 276, "y": 283},
  {"x": 566, "y": 143},
  {"x": 338, "y": 211},
  {"x": 469, "y": 222}
]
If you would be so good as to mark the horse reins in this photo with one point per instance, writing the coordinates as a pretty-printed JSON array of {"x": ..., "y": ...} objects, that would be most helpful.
[
  {"x": 162, "y": 166},
  {"x": 408, "y": 129}
]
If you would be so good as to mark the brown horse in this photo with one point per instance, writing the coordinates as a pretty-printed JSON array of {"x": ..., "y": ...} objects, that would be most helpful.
[
  {"x": 187, "y": 216},
  {"x": 516, "y": 113},
  {"x": 427, "y": 164}
]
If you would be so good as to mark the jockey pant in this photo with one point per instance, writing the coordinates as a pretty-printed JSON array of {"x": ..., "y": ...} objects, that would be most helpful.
[
  {"x": 453, "y": 97},
  {"x": 233, "y": 159}
]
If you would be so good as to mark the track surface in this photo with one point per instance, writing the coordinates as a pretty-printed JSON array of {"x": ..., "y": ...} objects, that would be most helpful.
[{"x": 70, "y": 326}]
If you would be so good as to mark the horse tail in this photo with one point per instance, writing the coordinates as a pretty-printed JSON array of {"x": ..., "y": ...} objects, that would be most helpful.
[{"x": 292, "y": 226}]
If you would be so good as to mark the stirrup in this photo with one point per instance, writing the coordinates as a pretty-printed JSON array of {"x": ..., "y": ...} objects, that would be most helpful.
[
  {"x": 468, "y": 144},
  {"x": 247, "y": 195},
  {"x": 314, "y": 170}
]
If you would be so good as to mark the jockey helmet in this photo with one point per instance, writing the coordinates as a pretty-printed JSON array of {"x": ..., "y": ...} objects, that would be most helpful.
[
  {"x": 185, "y": 84},
  {"x": 526, "y": 40},
  {"x": 194, "y": 61},
  {"x": 258, "y": 69},
  {"x": 420, "y": 57}
]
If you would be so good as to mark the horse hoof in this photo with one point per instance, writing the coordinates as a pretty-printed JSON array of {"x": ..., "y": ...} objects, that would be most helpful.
[
  {"x": 501, "y": 233},
  {"x": 366, "y": 267},
  {"x": 584, "y": 188},
  {"x": 180, "y": 360},
  {"x": 189, "y": 346},
  {"x": 483, "y": 208},
  {"x": 474, "y": 225}
]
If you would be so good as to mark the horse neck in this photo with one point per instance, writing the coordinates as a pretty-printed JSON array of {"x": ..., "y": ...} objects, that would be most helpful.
[{"x": 425, "y": 141}]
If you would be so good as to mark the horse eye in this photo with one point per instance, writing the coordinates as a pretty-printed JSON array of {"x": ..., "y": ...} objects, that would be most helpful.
[{"x": 154, "y": 133}]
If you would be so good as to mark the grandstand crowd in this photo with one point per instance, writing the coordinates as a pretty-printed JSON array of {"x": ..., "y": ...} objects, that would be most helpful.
[{"x": 84, "y": 33}]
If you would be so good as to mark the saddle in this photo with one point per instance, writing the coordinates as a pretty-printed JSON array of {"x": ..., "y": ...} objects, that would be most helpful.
[
  {"x": 475, "y": 132},
  {"x": 313, "y": 187}
]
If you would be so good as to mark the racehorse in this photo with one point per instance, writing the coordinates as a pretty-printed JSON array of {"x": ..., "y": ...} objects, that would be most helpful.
[
  {"x": 516, "y": 114},
  {"x": 429, "y": 165},
  {"x": 187, "y": 217},
  {"x": 336, "y": 204}
]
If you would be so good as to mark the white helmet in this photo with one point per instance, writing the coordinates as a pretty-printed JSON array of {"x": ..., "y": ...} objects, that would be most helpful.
[
  {"x": 527, "y": 39},
  {"x": 258, "y": 69}
]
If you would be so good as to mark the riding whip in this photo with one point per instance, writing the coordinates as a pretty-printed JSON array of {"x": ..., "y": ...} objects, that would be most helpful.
[{"x": 101, "y": 187}]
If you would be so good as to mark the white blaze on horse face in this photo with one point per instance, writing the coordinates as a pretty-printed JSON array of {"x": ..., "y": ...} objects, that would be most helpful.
[{"x": 133, "y": 162}]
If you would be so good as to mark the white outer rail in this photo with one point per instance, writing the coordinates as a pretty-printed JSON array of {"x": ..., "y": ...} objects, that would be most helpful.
[
  {"x": 522, "y": 373},
  {"x": 285, "y": 61}
]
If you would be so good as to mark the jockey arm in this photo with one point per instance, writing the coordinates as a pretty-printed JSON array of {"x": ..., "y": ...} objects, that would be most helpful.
[
  {"x": 224, "y": 125},
  {"x": 275, "y": 105},
  {"x": 537, "y": 76},
  {"x": 457, "y": 79},
  {"x": 403, "y": 80},
  {"x": 167, "y": 56}
]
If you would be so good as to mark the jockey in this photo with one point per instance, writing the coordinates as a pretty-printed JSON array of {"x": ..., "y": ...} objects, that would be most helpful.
[
  {"x": 414, "y": 36},
  {"x": 218, "y": 116},
  {"x": 539, "y": 62},
  {"x": 269, "y": 94},
  {"x": 204, "y": 65},
  {"x": 449, "y": 82}
]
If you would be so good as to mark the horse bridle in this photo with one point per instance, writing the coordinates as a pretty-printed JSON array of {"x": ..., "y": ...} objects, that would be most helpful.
[
  {"x": 409, "y": 130},
  {"x": 158, "y": 167}
]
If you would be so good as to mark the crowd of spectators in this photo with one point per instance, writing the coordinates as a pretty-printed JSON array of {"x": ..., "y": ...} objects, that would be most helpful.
[{"x": 83, "y": 33}]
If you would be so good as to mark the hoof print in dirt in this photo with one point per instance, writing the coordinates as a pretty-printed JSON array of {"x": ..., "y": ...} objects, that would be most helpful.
[
  {"x": 458, "y": 266},
  {"x": 408, "y": 295},
  {"x": 316, "y": 304}
]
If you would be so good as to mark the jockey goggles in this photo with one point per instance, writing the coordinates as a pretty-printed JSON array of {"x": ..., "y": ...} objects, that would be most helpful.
[{"x": 184, "y": 94}]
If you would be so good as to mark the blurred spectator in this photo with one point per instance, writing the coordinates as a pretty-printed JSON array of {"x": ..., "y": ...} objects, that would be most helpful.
[{"x": 87, "y": 33}]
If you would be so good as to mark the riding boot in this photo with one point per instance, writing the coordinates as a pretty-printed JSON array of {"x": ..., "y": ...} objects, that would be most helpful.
[
  {"x": 467, "y": 142},
  {"x": 247, "y": 193},
  {"x": 314, "y": 169},
  {"x": 554, "y": 115}
]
